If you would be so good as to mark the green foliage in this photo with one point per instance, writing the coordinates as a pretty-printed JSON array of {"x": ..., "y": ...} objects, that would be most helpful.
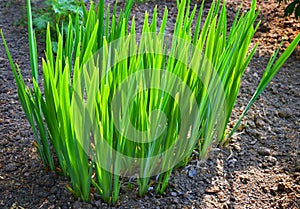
[
  {"x": 56, "y": 12},
  {"x": 293, "y": 7},
  {"x": 94, "y": 93}
]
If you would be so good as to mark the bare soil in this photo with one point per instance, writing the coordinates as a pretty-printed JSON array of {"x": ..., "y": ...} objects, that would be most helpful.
[{"x": 260, "y": 168}]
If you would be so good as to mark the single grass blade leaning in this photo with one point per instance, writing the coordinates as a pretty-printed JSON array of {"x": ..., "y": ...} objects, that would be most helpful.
[
  {"x": 268, "y": 75},
  {"x": 32, "y": 43}
]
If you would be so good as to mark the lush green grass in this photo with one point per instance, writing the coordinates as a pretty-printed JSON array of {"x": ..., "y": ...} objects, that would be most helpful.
[{"x": 120, "y": 104}]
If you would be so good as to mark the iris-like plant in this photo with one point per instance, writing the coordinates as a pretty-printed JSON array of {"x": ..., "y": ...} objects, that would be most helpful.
[
  {"x": 48, "y": 111},
  {"x": 122, "y": 104}
]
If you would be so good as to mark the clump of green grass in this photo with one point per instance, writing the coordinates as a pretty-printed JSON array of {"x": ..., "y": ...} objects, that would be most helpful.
[{"x": 120, "y": 104}]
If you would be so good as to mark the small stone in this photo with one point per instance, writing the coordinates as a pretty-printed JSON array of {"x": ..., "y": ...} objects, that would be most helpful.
[
  {"x": 175, "y": 200},
  {"x": 87, "y": 205},
  {"x": 253, "y": 141},
  {"x": 260, "y": 123},
  {"x": 280, "y": 188},
  {"x": 192, "y": 173},
  {"x": 11, "y": 167},
  {"x": 97, "y": 196},
  {"x": 172, "y": 206},
  {"x": 272, "y": 159},
  {"x": 264, "y": 151},
  {"x": 265, "y": 189},
  {"x": 98, "y": 203},
  {"x": 77, "y": 204},
  {"x": 251, "y": 124},
  {"x": 204, "y": 170},
  {"x": 232, "y": 162},
  {"x": 232, "y": 198},
  {"x": 264, "y": 28},
  {"x": 222, "y": 197},
  {"x": 264, "y": 165},
  {"x": 244, "y": 180},
  {"x": 274, "y": 90},
  {"x": 236, "y": 146},
  {"x": 43, "y": 194},
  {"x": 52, "y": 198},
  {"x": 53, "y": 190},
  {"x": 157, "y": 202},
  {"x": 211, "y": 190},
  {"x": 47, "y": 180},
  {"x": 284, "y": 113},
  {"x": 174, "y": 194}
]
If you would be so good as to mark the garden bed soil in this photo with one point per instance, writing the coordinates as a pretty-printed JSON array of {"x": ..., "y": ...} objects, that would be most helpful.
[{"x": 260, "y": 168}]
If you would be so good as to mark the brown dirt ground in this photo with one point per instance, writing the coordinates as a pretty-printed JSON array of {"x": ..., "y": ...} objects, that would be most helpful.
[{"x": 260, "y": 168}]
